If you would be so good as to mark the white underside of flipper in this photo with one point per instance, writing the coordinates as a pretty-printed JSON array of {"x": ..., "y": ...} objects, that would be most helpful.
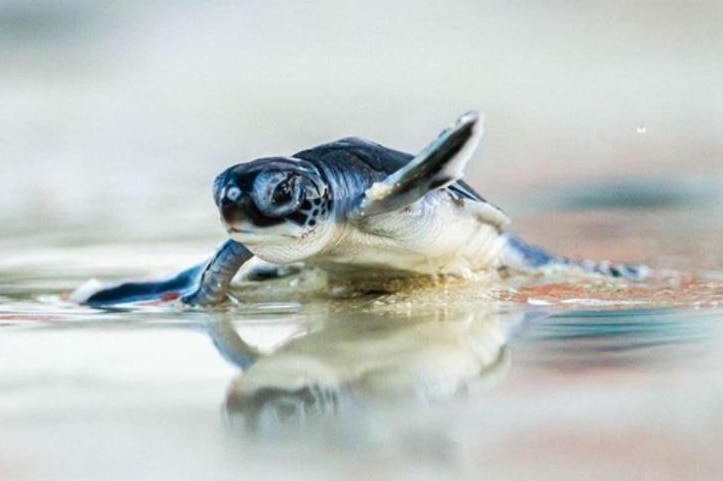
[{"x": 437, "y": 166}]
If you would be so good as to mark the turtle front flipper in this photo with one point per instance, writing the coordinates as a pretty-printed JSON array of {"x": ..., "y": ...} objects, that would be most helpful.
[
  {"x": 440, "y": 164},
  {"x": 203, "y": 284},
  {"x": 218, "y": 273}
]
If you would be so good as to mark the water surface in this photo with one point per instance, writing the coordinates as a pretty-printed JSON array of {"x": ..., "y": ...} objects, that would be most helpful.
[{"x": 548, "y": 377}]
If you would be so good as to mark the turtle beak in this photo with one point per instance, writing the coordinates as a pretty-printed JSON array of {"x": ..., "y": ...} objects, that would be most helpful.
[
  {"x": 230, "y": 198},
  {"x": 231, "y": 214},
  {"x": 232, "y": 205}
]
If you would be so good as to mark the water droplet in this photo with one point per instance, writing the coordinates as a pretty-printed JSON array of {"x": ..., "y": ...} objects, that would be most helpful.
[{"x": 641, "y": 129}]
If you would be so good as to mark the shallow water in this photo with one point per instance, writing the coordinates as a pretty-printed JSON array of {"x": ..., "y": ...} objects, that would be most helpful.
[{"x": 551, "y": 378}]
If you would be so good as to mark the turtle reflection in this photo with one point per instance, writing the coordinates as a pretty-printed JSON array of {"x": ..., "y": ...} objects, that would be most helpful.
[{"x": 364, "y": 360}]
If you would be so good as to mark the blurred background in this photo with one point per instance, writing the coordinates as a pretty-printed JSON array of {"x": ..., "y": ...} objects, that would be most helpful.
[
  {"x": 604, "y": 139},
  {"x": 116, "y": 116}
]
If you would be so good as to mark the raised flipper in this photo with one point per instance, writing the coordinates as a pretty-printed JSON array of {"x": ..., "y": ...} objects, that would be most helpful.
[
  {"x": 520, "y": 256},
  {"x": 204, "y": 284},
  {"x": 438, "y": 165}
]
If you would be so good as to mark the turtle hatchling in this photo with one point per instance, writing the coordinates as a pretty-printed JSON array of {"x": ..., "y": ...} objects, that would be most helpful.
[{"x": 359, "y": 211}]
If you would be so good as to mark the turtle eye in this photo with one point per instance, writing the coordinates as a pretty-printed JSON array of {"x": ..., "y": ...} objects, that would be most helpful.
[{"x": 277, "y": 194}]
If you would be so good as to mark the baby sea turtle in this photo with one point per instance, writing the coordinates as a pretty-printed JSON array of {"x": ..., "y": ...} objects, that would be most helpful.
[{"x": 357, "y": 210}]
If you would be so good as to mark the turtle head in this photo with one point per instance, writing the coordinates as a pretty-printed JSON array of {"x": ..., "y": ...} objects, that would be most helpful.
[{"x": 278, "y": 207}]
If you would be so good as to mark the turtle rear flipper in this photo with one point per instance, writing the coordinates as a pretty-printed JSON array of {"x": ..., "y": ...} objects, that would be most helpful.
[
  {"x": 518, "y": 255},
  {"x": 203, "y": 284},
  {"x": 440, "y": 164}
]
